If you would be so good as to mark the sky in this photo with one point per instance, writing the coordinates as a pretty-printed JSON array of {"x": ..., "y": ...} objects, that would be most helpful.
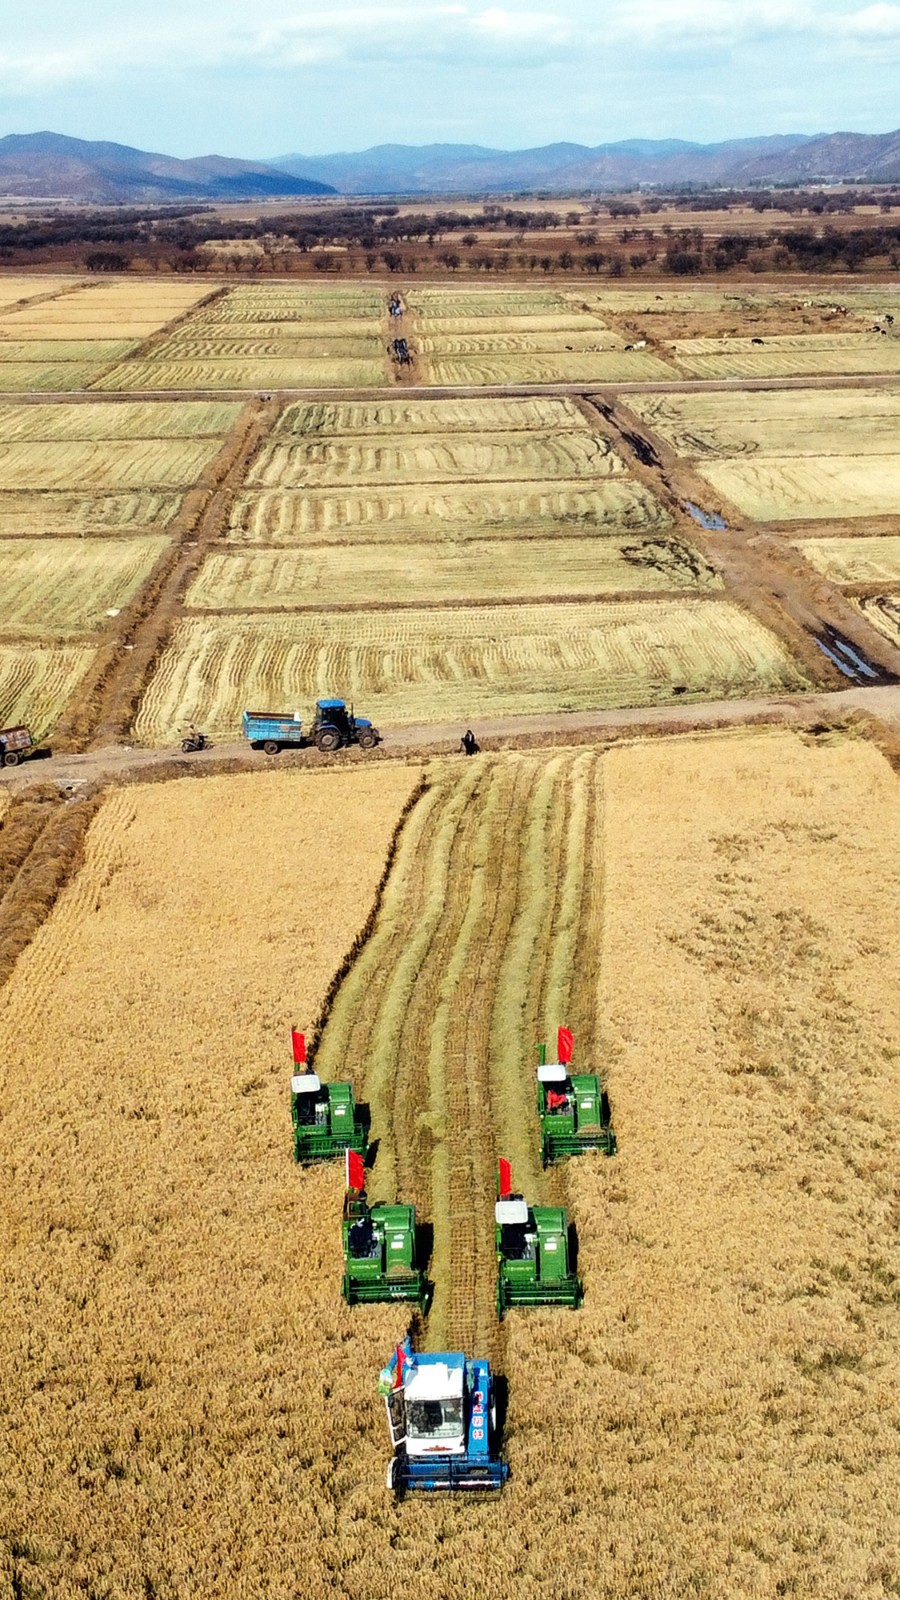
[{"x": 276, "y": 77}]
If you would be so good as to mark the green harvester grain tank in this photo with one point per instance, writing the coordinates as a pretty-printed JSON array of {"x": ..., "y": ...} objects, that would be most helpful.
[{"x": 534, "y": 1263}]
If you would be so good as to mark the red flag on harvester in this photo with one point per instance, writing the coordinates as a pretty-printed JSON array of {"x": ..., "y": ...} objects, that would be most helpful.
[
  {"x": 356, "y": 1171},
  {"x": 505, "y": 1179},
  {"x": 298, "y": 1045},
  {"x": 564, "y": 1043},
  {"x": 401, "y": 1363}
]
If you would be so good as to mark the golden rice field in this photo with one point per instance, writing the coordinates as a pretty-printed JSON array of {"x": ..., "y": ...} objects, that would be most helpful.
[
  {"x": 38, "y": 680},
  {"x": 864, "y": 560},
  {"x": 883, "y": 611},
  {"x": 56, "y": 588},
  {"x": 433, "y": 458},
  {"x": 18, "y": 287},
  {"x": 209, "y": 373},
  {"x": 39, "y": 351},
  {"x": 91, "y": 513},
  {"x": 623, "y": 366},
  {"x": 591, "y": 339},
  {"x": 449, "y": 511},
  {"x": 798, "y": 488},
  {"x": 789, "y": 356},
  {"x": 472, "y": 304},
  {"x": 26, "y": 377},
  {"x": 128, "y": 419},
  {"x": 186, "y": 345},
  {"x": 284, "y": 303},
  {"x": 172, "y": 1280},
  {"x": 795, "y": 422},
  {"x": 105, "y": 464},
  {"x": 408, "y": 573},
  {"x": 398, "y": 415},
  {"x": 414, "y": 665},
  {"x": 539, "y": 322}
]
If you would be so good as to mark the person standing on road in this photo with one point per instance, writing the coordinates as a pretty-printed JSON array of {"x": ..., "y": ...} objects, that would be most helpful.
[{"x": 469, "y": 743}]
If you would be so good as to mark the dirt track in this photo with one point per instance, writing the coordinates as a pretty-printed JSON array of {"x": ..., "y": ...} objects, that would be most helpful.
[{"x": 116, "y": 762}]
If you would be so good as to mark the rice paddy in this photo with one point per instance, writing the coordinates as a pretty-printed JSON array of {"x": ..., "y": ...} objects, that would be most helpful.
[
  {"x": 435, "y": 458},
  {"x": 104, "y": 464},
  {"x": 789, "y": 356},
  {"x": 59, "y": 588},
  {"x": 403, "y": 574},
  {"x": 37, "y": 681},
  {"x": 863, "y": 560},
  {"x": 805, "y": 487},
  {"x": 427, "y": 665},
  {"x": 93, "y": 513},
  {"x": 155, "y": 419},
  {"x": 883, "y": 611},
  {"x": 775, "y": 423}
]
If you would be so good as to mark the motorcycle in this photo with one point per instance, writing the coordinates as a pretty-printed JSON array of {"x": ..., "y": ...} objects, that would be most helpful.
[{"x": 193, "y": 742}]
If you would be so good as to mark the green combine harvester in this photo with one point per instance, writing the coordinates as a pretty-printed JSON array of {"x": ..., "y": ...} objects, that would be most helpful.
[
  {"x": 380, "y": 1246},
  {"x": 573, "y": 1108},
  {"x": 533, "y": 1260},
  {"x": 326, "y": 1118}
]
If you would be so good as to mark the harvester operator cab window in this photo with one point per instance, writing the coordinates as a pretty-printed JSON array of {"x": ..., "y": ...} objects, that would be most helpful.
[
  {"x": 362, "y": 1239},
  {"x": 434, "y": 1419},
  {"x": 516, "y": 1243}
]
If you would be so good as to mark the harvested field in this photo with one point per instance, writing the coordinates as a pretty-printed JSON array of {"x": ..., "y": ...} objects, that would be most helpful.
[
  {"x": 280, "y": 303},
  {"x": 41, "y": 351},
  {"x": 154, "y": 419},
  {"x": 434, "y": 458},
  {"x": 407, "y": 573},
  {"x": 792, "y": 357},
  {"x": 596, "y": 338},
  {"x": 149, "y": 374},
  {"x": 883, "y": 611},
  {"x": 801, "y": 488},
  {"x": 23, "y": 377},
  {"x": 185, "y": 345},
  {"x": 874, "y": 560},
  {"x": 450, "y": 511},
  {"x": 37, "y": 682},
  {"x": 165, "y": 1262},
  {"x": 14, "y": 289},
  {"x": 105, "y": 464},
  {"x": 429, "y": 416},
  {"x": 424, "y": 665},
  {"x": 67, "y": 514},
  {"x": 796, "y": 422},
  {"x": 611, "y": 367},
  {"x": 472, "y": 305},
  {"x": 56, "y": 588}
]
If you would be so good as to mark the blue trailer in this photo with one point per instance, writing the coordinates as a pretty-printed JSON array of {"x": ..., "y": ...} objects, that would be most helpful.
[
  {"x": 443, "y": 1424},
  {"x": 332, "y": 726}
]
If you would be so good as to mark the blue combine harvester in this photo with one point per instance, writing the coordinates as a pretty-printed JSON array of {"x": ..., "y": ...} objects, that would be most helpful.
[{"x": 443, "y": 1423}]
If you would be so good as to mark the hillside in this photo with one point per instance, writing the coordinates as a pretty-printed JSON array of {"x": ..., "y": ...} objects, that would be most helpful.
[{"x": 52, "y": 166}]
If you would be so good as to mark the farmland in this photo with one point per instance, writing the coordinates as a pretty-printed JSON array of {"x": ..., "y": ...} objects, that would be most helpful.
[
  {"x": 875, "y": 560},
  {"x": 415, "y": 665},
  {"x": 436, "y": 458},
  {"x": 37, "y": 681},
  {"x": 110, "y": 464},
  {"x": 722, "y": 1418},
  {"x": 883, "y": 611},
  {"x": 788, "y": 356},
  {"x": 362, "y": 574},
  {"x": 54, "y": 588},
  {"x": 787, "y": 489}
]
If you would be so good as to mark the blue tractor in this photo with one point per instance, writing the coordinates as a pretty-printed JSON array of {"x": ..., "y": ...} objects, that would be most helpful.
[
  {"x": 332, "y": 727},
  {"x": 442, "y": 1418}
]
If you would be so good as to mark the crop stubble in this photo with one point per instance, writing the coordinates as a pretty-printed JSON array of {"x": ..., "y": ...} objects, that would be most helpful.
[{"x": 57, "y": 588}]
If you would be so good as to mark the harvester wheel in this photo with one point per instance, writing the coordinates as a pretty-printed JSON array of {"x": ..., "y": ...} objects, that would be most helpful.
[
  {"x": 271, "y": 747},
  {"x": 11, "y": 758},
  {"x": 328, "y": 739},
  {"x": 368, "y": 739}
]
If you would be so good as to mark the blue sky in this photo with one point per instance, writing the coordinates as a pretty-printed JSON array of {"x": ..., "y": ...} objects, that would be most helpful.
[{"x": 275, "y": 76}]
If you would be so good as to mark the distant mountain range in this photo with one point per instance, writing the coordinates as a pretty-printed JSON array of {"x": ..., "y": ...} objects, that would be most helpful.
[
  {"x": 569, "y": 168},
  {"x": 45, "y": 166},
  {"x": 52, "y": 166}
]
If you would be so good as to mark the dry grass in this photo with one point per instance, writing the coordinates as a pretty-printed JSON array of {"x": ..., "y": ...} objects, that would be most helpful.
[
  {"x": 400, "y": 415},
  {"x": 104, "y": 464},
  {"x": 158, "y": 419},
  {"x": 796, "y": 422},
  {"x": 49, "y": 514},
  {"x": 400, "y": 574},
  {"x": 789, "y": 489},
  {"x": 460, "y": 663},
  {"x": 448, "y": 511},
  {"x": 176, "y": 1366},
  {"x": 434, "y": 458},
  {"x": 247, "y": 374},
  {"x": 58, "y": 588},
  {"x": 874, "y": 560},
  {"x": 37, "y": 682}
]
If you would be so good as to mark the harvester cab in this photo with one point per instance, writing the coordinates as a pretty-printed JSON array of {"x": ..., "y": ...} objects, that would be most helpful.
[
  {"x": 533, "y": 1256},
  {"x": 334, "y": 725},
  {"x": 325, "y": 1116},
  {"x": 380, "y": 1246},
  {"x": 443, "y": 1423},
  {"x": 573, "y": 1108}
]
